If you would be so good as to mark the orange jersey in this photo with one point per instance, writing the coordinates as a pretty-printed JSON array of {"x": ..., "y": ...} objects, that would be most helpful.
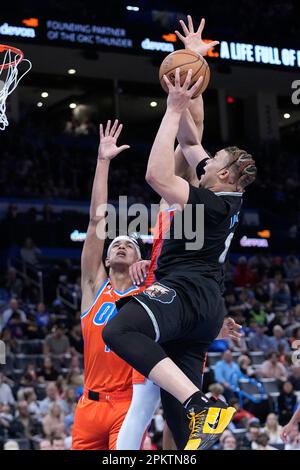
[{"x": 103, "y": 369}]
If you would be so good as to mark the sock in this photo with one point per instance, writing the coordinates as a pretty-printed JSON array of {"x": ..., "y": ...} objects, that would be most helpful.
[{"x": 198, "y": 399}]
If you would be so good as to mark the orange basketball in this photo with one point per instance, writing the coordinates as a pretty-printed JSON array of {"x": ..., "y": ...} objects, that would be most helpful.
[{"x": 186, "y": 60}]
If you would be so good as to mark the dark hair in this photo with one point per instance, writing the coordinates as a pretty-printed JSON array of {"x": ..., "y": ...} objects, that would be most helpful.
[
  {"x": 243, "y": 166},
  {"x": 262, "y": 439}
]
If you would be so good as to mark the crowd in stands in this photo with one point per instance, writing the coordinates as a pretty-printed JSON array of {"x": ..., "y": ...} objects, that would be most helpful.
[{"x": 43, "y": 375}]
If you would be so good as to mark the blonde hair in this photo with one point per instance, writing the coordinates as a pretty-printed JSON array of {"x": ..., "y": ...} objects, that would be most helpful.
[{"x": 242, "y": 166}]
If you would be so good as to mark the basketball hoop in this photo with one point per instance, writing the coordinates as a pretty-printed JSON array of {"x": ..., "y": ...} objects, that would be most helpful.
[{"x": 10, "y": 58}]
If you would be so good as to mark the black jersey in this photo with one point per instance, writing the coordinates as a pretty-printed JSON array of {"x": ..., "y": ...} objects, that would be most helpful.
[{"x": 181, "y": 257}]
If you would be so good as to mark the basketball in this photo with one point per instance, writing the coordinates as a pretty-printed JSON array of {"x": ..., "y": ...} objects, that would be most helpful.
[{"x": 186, "y": 60}]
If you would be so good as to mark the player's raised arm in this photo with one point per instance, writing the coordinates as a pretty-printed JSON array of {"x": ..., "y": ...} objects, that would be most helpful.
[
  {"x": 192, "y": 120},
  {"x": 161, "y": 166},
  {"x": 92, "y": 269}
]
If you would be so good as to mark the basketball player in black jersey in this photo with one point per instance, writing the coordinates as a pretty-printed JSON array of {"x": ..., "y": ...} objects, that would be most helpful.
[{"x": 185, "y": 305}]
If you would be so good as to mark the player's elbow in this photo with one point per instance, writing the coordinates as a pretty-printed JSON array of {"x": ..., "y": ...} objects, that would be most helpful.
[{"x": 152, "y": 177}]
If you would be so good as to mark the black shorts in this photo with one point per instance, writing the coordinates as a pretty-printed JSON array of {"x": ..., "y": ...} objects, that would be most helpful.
[{"x": 174, "y": 315}]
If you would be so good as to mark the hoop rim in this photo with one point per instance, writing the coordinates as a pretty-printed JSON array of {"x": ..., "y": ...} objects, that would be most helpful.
[{"x": 18, "y": 52}]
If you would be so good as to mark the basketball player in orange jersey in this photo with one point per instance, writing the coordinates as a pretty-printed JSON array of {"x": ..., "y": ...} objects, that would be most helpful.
[{"x": 108, "y": 379}]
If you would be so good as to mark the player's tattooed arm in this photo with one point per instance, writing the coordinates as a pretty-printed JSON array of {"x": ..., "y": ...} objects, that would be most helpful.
[
  {"x": 92, "y": 268},
  {"x": 161, "y": 166}
]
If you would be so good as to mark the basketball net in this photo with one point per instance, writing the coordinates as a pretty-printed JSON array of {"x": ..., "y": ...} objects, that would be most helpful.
[{"x": 9, "y": 79}]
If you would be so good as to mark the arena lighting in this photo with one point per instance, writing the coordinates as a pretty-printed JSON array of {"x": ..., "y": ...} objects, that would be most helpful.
[
  {"x": 45, "y": 94},
  {"x": 39, "y": 104},
  {"x": 171, "y": 37},
  {"x": 77, "y": 236},
  {"x": 153, "y": 104},
  {"x": 33, "y": 22},
  {"x": 149, "y": 45},
  {"x": 71, "y": 71},
  {"x": 132, "y": 8},
  {"x": 286, "y": 115},
  {"x": 246, "y": 242},
  {"x": 72, "y": 105},
  {"x": 264, "y": 233}
]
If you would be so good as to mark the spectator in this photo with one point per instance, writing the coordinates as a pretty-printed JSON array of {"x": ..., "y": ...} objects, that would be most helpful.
[
  {"x": 68, "y": 439},
  {"x": 42, "y": 316},
  {"x": 273, "y": 429},
  {"x": 229, "y": 443},
  {"x": 282, "y": 294},
  {"x": 262, "y": 442},
  {"x": 48, "y": 372},
  {"x": 34, "y": 406},
  {"x": 11, "y": 445},
  {"x": 24, "y": 425},
  {"x": 259, "y": 341},
  {"x": 287, "y": 402},
  {"x": 243, "y": 275},
  {"x": 277, "y": 269},
  {"x": 11, "y": 312},
  {"x": 69, "y": 402},
  {"x": 13, "y": 284},
  {"x": 295, "y": 335},
  {"x": 278, "y": 341},
  {"x": 252, "y": 434},
  {"x": 76, "y": 340},
  {"x": 9, "y": 341},
  {"x": 258, "y": 314},
  {"x": 75, "y": 378},
  {"x": 295, "y": 377},
  {"x": 6, "y": 419},
  {"x": 242, "y": 417},
  {"x": 244, "y": 363},
  {"x": 216, "y": 391},
  {"x": 29, "y": 378},
  {"x": 6, "y": 395},
  {"x": 53, "y": 421},
  {"x": 273, "y": 369},
  {"x": 30, "y": 253},
  {"x": 45, "y": 444},
  {"x": 58, "y": 442},
  {"x": 227, "y": 373},
  {"x": 292, "y": 267},
  {"x": 52, "y": 397},
  {"x": 57, "y": 343}
]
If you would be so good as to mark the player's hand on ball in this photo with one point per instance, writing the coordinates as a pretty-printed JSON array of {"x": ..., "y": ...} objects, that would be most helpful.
[
  {"x": 139, "y": 271},
  {"x": 108, "y": 148},
  {"x": 180, "y": 95},
  {"x": 193, "y": 40}
]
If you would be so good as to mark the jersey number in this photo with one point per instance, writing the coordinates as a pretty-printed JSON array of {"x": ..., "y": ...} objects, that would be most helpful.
[
  {"x": 106, "y": 312},
  {"x": 227, "y": 246}
]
